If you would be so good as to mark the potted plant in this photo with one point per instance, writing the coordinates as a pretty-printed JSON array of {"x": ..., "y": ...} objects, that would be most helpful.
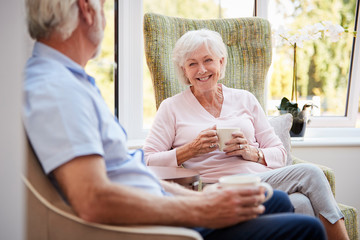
[
  {"x": 300, "y": 119},
  {"x": 296, "y": 39}
]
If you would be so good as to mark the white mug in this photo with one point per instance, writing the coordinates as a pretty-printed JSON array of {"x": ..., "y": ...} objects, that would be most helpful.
[
  {"x": 224, "y": 135},
  {"x": 246, "y": 181}
]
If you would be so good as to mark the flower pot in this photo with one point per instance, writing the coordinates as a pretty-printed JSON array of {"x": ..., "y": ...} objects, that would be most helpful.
[
  {"x": 298, "y": 127},
  {"x": 299, "y": 116}
]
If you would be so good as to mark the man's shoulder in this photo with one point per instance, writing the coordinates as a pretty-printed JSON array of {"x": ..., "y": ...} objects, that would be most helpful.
[
  {"x": 42, "y": 68},
  {"x": 44, "y": 73}
]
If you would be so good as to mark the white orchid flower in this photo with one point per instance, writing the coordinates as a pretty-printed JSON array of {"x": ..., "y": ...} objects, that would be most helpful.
[
  {"x": 313, "y": 32},
  {"x": 310, "y": 32},
  {"x": 281, "y": 35},
  {"x": 334, "y": 32}
]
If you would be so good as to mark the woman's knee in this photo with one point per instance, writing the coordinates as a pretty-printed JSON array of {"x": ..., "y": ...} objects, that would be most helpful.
[
  {"x": 311, "y": 169},
  {"x": 311, "y": 172}
]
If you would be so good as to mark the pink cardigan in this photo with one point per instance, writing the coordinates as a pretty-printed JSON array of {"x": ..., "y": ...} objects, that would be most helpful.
[{"x": 181, "y": 118}]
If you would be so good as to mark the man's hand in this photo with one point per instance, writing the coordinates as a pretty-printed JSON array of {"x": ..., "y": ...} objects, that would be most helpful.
[{"x": 228, "y": 206}]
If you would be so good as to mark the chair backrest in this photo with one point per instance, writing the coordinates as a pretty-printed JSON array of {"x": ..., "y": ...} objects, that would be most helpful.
[
  {"x": 39, "y": 184},
  {"x": 248, "y": 42},
  {"x": 42, "y": 200}
]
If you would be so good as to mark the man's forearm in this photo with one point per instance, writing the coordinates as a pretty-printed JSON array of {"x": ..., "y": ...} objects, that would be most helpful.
[
  {"x": 127, "y": 206},
  {"x": 96, "y": 199},
  {"x": 177, "y": 189}
]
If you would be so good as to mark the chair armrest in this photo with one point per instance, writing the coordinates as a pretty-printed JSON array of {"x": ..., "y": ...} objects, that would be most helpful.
[
  {"x": 329, "y": 173},
  {"x": 153, "y": 232},
  {"x": 48, "y": 220}
]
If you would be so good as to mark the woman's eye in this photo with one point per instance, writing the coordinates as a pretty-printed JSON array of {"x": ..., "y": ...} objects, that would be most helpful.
[
  {"x": 191, "y": 64},
  {"x": 208, "y": 60}
]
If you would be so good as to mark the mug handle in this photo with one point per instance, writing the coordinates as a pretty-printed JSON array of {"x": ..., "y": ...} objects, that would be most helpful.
[{"x": 269, "y": 190}]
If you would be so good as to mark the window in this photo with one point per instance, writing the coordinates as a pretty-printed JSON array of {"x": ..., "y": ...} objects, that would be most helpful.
[
  {"x": 323, "y": 67},
  {"x": 133, "y": 109}
]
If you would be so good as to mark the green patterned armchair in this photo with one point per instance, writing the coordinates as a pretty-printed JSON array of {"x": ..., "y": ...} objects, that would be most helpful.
[{"x": 248, "y": 43}]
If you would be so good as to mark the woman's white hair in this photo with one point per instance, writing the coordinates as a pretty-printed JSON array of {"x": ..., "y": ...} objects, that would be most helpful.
[
  {"x": 47, "y": 16},
  {"x": 190, "y": 42}
]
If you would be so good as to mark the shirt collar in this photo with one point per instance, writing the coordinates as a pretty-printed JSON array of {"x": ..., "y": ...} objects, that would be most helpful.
[{"x": 42, "y": 50}]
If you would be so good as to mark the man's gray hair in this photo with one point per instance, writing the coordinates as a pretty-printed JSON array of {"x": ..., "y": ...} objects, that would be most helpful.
[
  {"x": 47, "y": 16},
  {"x": 190, "y": 42}
]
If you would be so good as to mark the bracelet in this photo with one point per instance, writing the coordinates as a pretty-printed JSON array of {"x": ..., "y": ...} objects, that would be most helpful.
[{"x": 260, "y": 155}]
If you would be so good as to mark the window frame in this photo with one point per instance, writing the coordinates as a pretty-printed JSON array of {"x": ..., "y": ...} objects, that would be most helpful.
[
  {"x": 130, "y": 74},
  {"x": 129, "y": 67},
  {"x": 352, "y": 102}
]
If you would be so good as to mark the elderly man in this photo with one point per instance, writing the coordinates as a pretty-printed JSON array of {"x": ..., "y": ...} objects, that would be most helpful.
[{"x": 82, "y": 147}]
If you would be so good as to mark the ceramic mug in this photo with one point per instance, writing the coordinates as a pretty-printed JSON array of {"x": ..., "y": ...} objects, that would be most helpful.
[
  {"x": 224, "y": 135},
  {"x": 246, "y": 181}
]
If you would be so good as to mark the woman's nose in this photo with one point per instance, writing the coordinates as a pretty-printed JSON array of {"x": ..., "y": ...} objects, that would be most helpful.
[{"x": 202, "y": 69}]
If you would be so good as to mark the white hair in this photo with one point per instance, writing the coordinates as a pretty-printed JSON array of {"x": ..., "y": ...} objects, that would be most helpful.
[
  {"x": 47, "y": 16},
  {"x": 190, "y": 42}
]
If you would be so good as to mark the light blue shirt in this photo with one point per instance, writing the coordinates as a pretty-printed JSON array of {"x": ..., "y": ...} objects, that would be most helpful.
[{"x": 66, "y": 117}]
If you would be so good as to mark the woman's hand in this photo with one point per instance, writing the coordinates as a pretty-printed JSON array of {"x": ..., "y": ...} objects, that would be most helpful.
[
  {"x": 238, "y": 146},
  {"x": 207, "y": 141}
]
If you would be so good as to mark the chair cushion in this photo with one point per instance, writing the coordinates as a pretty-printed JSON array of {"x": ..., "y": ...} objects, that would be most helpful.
[{"x": 282, "y": 125}]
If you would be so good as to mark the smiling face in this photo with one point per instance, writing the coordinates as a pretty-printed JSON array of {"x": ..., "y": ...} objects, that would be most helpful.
[{"x": 202, "y": 68}]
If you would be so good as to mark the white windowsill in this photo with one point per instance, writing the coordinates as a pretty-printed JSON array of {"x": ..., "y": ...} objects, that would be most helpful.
[{"x": 328, "y": 137}]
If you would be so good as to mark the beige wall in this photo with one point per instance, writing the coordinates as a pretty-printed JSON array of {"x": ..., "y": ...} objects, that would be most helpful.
[
  {"x": 11, "y": 137},
  {"x": 345, "y": 161}
]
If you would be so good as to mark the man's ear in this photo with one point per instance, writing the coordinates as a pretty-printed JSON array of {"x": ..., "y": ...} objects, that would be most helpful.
[{"x": 86, "y": 11}]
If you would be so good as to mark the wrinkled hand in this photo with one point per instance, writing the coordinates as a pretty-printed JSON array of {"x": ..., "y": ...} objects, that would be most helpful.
[
  {"x": 238, "y": 146},
  {"x": 207, "y": 141},
  {"x": 224, "y": 207}
]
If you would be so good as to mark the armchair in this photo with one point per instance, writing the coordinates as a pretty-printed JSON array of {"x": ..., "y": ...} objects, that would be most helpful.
[
  {"x": 248, "y": 43},
  {"x": 49, "y": 217}
]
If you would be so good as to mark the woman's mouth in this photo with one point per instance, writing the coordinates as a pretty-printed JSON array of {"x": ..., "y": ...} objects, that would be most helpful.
[{"x": 204, "y": 78}]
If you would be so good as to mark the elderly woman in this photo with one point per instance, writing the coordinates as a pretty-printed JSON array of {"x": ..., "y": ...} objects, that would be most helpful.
[{"x": 184, "y": 132}]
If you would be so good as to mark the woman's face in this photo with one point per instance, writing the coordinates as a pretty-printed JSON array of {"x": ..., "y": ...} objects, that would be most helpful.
[{"x": 202, "y": 68}]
